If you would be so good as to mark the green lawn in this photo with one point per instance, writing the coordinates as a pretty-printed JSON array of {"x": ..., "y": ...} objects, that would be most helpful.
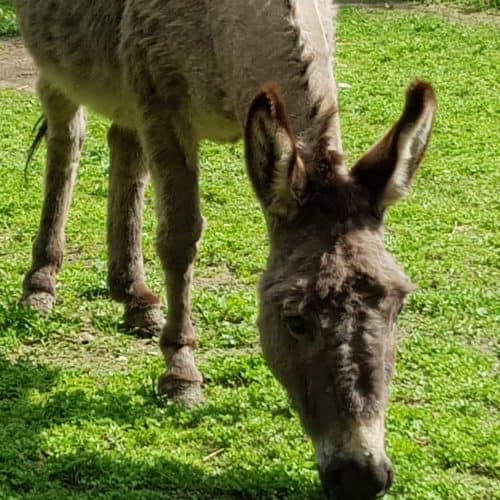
[
  {"x": 7, "y": 19},
  {"x": 79, "y": 417}
]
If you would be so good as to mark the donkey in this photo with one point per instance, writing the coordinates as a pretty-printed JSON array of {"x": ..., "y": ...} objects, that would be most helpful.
[{"x": 170, "y": 74}]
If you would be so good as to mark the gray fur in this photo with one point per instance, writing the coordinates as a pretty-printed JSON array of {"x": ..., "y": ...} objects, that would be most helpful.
[{"x": 170, "y": 74}]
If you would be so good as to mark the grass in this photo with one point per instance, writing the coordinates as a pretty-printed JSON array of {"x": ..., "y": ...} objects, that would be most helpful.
[
  {"x": 7, "y": 19},
  {"x": 78, "y": 410}
]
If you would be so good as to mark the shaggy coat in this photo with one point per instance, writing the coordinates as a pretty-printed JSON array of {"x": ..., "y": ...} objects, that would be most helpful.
[{"x": 170, "y": 74}]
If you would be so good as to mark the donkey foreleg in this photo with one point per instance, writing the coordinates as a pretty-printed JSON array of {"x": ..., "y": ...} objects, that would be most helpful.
[
  {"x": 66, "y": 124},
  {"x": 175, "y": 179},
  {"x": 127, "y": 182}
]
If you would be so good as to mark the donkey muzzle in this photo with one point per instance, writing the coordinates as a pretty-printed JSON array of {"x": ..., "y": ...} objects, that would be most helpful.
[{"x": 349, "y": 480}]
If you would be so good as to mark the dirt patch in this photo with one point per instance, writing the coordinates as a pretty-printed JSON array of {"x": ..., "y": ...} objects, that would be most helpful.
[
  {"x": 97, "y": 353},
  {"x": 17, "y": 70},
  {"x": 88, "y": 351}
]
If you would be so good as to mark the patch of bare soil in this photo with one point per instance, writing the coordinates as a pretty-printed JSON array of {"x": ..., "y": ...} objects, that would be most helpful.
[
  {"x": 86, "y": 350},
  {"x": 95, "y": 353},
  {"x": 17, "y": 70}
]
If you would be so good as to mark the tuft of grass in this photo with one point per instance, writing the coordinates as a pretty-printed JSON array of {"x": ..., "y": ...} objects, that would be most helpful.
[
  {"x": 8, "y": 26},
  {"x": 78, "y": 407}
]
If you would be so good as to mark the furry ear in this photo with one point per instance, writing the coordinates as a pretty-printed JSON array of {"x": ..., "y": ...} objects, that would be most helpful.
[
  {"x": 388, "y": 168},
  {"x": 275, "y": 168}
]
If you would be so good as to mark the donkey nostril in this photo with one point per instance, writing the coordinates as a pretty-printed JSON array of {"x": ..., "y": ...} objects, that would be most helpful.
[{"x": 336, "y": 477}]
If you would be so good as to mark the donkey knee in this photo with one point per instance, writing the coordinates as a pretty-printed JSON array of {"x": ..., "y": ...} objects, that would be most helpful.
[{"x": 178, "y": 245}]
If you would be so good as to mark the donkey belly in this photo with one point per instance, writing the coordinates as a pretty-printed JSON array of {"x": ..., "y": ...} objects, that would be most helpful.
[{"x": 101, "y": 91}]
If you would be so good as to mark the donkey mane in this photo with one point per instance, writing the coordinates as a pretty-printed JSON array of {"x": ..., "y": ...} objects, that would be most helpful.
[{"x": 321, "y": 111}]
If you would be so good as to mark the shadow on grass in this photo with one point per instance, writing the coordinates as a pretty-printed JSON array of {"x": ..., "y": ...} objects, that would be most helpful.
[
  {"x": 170, "y": 478},
  {"x": 30, "y": 406}
]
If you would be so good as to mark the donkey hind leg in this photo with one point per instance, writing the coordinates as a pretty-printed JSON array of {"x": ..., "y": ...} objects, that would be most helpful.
[
  {"x": 175, "y": 179},
  {"x": 127, "y": 182},
  {"x": 66, "y": 124}
]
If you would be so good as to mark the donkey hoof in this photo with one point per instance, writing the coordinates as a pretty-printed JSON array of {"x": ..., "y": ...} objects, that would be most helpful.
[
  {"x": 144, "y": 322},
  {"x": 43, "y": 302},
  {"x": 182, "y": 392}
]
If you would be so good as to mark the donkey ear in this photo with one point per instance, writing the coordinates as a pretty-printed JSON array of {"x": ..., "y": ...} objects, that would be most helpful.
[
  {"x": 387, "y": 170},
  {"x": 275, "y": 168}
]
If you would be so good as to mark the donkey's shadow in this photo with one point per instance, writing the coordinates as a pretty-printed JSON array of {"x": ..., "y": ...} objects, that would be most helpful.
[{"x": 27, "y": 411}]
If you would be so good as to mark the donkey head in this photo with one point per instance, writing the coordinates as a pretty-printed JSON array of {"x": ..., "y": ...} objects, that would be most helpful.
[{"x": 331, "y": 293}]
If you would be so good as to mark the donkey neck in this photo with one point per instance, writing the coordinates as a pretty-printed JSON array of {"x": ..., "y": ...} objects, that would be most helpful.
[
  {"x": 311, "y": 58},
  {"x": 289, "y": 42}
]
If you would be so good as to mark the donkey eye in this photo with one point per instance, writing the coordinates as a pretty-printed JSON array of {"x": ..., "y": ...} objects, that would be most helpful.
[{"x": 296, "y": 325}]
